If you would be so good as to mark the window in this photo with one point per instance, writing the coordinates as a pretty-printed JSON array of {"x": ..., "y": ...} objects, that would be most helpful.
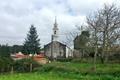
[{"x": 54, "y": 32}]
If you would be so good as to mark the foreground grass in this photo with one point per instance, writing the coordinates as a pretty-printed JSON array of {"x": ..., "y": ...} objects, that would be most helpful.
[
  {"x": 31, "y": 76},
  {"x": 69, "y": 71},
  {"x": 56, "y": 76}
]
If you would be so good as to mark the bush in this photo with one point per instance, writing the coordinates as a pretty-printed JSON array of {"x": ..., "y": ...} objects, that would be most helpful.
[
  {"x": 114, "y": 58},
  {"x": 77, "y": 60},
  {"x": 44, "y": 68},
  {"x": 25, "y": 65},
  {"x": 64, "y": 59},
  {"x": 5, "y": 64}
]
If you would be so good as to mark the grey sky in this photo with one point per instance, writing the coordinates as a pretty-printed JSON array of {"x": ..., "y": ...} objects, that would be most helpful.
[{"x": 16, "y": 16}]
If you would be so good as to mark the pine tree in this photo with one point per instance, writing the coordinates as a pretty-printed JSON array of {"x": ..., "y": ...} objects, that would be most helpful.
[
  {"x": 31, "y": 44},
  {"x": 4, "y": 50}
]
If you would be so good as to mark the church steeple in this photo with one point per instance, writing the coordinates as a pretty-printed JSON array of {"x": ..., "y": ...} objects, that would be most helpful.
[
  {"x": 55, "y": 31},
  {"x": 55, "y": 24},
  {"x": 55, "y": 28}
]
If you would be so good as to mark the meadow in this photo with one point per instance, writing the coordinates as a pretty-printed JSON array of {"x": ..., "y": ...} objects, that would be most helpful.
[{"x": 68, "y": 71}]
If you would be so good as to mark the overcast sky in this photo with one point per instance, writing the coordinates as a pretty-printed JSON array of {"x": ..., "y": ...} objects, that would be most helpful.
[{"x": 16, "y": 16}]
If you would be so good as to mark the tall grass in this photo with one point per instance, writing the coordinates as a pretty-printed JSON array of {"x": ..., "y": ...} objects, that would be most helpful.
[{"x": 69, "y": 71}]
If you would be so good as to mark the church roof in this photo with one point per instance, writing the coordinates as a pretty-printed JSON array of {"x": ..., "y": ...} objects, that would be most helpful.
[{"x": 57, "y": 42}]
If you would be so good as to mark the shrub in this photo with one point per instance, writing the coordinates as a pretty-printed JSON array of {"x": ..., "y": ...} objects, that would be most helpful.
[
  {"x": 44, "y": 68},
  {"x": 64, "y": 59},
  {"x": 25, "y": 65},
  {"x": 5, "y": 64},
  {"x": 115, "y": 58},
  {"x": 77, "y": 60}
]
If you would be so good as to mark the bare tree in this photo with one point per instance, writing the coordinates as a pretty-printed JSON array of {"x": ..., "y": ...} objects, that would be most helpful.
[
  {"x": 71, "y": 35},
  {"x": 106, "y": 22},
  {"x": 93, "y": 26}
]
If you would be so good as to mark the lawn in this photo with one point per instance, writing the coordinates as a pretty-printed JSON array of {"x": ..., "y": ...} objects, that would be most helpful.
[{"x": 69, "y": 71}]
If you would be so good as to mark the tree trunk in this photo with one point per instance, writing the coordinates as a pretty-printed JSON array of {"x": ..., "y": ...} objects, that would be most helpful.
[
  {"x": 96, "y": 50},
  {"x": 106, "y": 57},
  {"x": 95, "y": 56},
  {"x": 102, "y": 57}
]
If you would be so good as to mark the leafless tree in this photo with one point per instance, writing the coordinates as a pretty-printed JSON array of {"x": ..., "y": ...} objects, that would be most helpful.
[
  {"x": 71, "y": 35},
  {"x": 105, "y": 24}
]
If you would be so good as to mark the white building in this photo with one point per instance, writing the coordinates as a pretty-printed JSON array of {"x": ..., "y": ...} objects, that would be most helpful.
[{"x": 56, "y": 49}]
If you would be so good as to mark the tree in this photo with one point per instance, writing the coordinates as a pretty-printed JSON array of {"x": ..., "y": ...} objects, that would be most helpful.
[
  {"x": 31, "y": 44},
  {"x": 4, "y": 50},
  {"x": 105, "y": 24},
  {"x": 16, "y": 48}
]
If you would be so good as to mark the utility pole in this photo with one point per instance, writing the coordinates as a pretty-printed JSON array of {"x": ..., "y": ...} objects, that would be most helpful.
[{"x": 52, "y": 48}]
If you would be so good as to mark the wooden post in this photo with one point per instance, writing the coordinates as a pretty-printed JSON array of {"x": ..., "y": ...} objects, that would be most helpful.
[
  {"x": 12, "y": 70},
  {"x": 31, "y": 66}
]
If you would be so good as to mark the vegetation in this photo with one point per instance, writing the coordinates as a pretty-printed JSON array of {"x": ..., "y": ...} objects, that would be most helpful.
[
  {"x": 69, "y": 71},
  {"x": 31, "y": 44},
  {"x": 5, "y": 64},
  {"x": 25, "y": 65},
  {"x": 16, "y": 48},
  {"x": 4, "y": 50},
  {"x": 100, "y": 41},
  {"x": 104, "y": 26}
]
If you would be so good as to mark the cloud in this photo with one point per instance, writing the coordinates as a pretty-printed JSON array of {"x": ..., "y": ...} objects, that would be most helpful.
[{"x": 16, "y": 16}]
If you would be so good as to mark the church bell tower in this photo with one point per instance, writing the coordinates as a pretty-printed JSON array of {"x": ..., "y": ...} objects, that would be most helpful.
[
  {"x": 55, "y": 45},
  {"x": 55, "y": 31}
]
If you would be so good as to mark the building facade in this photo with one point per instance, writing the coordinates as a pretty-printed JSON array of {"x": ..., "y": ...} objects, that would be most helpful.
[{"x": 55, "y": 49}]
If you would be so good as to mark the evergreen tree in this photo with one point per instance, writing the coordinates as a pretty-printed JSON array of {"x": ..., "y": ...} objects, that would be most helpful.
[
  {"x": 16, "y": 48},
  {"x": 31, "y": 44},
  {"x": 5, "y": 50}
]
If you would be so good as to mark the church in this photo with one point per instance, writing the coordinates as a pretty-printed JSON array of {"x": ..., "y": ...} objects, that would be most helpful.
[{"x": 55, "y": 49}]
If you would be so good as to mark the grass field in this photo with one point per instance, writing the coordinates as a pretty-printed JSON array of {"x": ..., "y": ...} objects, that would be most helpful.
[{"x": 69, "y": 71}]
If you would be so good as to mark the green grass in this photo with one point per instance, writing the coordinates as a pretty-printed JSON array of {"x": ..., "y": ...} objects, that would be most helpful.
[
  {"x": 56, "y": 76},
  {"x": 87, "y": 67},
  {"x": 69, "y": 71}
]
